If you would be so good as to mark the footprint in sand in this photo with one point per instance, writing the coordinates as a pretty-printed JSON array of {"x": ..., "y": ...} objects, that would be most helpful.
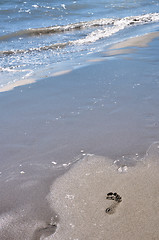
[
  {"x": 116, "y": 198},
  {"x": 45, "y": 231}
]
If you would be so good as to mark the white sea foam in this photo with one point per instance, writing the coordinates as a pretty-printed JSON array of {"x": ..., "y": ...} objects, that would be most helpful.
[
  {"x": 114, "y": 25},
  {"x": 109, "y": 27}
]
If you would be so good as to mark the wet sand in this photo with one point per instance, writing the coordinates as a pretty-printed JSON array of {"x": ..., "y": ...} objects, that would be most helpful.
[
  {"x": 140, "y": 41},
  {"x": 79, "y": 197},
  {"x": 131, "y": 45},
  {"x": 110, "y": 109}
]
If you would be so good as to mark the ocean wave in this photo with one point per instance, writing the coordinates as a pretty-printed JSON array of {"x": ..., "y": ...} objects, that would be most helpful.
[
  {"x": 52, "y": 46},
  {"x": 58, "y": 29},
  {"x": 110, "y": 27}
]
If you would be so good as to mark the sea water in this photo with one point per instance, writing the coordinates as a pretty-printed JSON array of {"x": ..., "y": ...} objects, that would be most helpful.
[{"x": 40, "y": 38}]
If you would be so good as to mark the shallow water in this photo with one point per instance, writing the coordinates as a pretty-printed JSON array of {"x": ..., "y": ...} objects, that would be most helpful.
[{"x": 68, "y": 32}]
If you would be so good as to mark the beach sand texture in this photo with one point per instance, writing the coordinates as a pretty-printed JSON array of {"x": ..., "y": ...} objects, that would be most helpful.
[{"x": 79, "y": 197}]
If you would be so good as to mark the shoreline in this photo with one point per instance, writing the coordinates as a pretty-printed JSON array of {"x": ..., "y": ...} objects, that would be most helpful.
[{"x": 124, "y": 47}]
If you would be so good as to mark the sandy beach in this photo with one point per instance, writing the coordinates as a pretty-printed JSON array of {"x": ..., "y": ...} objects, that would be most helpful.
[
  {"x": 68, "y": 140},
  {"x": 79, "y": 197}
]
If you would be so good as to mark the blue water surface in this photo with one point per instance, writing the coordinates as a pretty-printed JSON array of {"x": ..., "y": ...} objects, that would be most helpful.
[{"x": 22, "y": 55}]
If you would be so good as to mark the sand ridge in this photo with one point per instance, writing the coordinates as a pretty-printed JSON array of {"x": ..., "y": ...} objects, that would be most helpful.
[{"x": 130, "y": 45}]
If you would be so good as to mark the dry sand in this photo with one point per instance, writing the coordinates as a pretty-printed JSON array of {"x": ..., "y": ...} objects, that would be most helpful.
[{"x": 79, "y": 197}]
